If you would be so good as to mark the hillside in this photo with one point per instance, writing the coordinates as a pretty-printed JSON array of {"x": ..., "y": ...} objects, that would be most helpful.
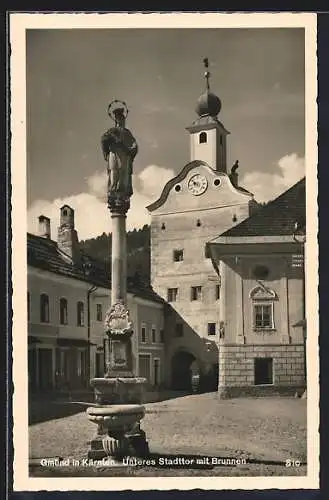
[{"x": 138, "y": 243}]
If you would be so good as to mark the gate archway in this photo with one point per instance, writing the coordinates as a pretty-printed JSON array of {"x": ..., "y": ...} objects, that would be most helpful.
[{"x": 181, "y": 375}]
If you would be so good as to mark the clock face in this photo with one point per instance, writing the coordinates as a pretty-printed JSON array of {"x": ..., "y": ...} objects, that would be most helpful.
[{"x": 197, "y": 184}]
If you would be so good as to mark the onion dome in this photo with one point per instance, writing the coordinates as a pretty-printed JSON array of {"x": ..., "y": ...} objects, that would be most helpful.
[{"x": 208, "y": 103}]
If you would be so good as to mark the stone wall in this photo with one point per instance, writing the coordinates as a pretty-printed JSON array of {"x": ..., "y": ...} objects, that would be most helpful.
[{"x": 237, "y": 372}]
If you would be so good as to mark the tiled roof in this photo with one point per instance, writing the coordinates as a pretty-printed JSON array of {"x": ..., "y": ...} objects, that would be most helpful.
[
  {"x": 276, "y": 218},
  {"x": 43, "y": 253}
]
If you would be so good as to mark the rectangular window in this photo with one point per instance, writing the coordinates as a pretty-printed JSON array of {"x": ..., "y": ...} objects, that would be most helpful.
[
  {"x": 217, "y": 292},
  {"x": 80, "y": 314},
  {"x": 172, "y": 294},
  {"x": 178, "y": 255},
  {"x": 179, "y": 330},
  {"x": 196, "y": 292},
  {"x": 154, "y": 335},
  {"x": 63, "y": 311},
  {"x": 143, "y": 334},
  {"x": 99, "y": 312},
  {"x": 263, "y": 371},
  {"x": 44, "y": 308},
  {"x": 263, "y": 316},
  {"x": 211, "y": 328},
  {"x": 162, "y": 336}
]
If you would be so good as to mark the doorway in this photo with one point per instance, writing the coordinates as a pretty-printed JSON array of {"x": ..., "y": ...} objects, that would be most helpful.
[
  {"x": 45, "y": 369},
  {"x": 181, "y": 373},
  {"x": 156, "y": 372}
]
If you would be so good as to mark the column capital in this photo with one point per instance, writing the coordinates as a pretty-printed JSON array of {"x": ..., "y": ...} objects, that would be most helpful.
[{"x": 118, "y": 204}]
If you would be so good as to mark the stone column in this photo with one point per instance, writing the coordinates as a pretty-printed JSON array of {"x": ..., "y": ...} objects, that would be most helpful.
[
  {"x": 117, "y": 410},
  {"x": 119, "y": 257}
]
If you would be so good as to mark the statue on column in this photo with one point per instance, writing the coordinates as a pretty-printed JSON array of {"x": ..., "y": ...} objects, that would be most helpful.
[{"x": 119, "y": 149}]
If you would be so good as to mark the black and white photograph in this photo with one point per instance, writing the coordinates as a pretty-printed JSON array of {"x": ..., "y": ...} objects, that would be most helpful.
[{"x": 164, "y": 251}]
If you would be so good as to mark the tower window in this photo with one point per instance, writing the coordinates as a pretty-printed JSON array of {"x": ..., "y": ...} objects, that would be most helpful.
[
  {"x": 217, "y": 182},
  {"x": 177, "y": 187},
  {"x": 172, "y": 294},
  {"x": 211, "y": 328},
  {"x": 202, "y": 138},
  {"x": 198, "y": 223},
  {"x": 221, "y": 140},
  {"x": 178, "y": 255},
  {"x": 196, "y": 292},
  {"x": 63, "y": 311},
  {"x": 65, "y": 212},
  {"x": 217, "y": 292}
]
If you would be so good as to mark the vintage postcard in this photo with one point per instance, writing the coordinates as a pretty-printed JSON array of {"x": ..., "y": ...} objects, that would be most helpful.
[{"x": 164, "y": 251}]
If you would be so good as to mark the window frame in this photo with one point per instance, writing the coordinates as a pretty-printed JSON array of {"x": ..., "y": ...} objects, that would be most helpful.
[
  {"x": 170, "y": 297},
  {"x": 177, "y": 253},
  {"x": 212, "y": 323},
  {"x": 153, "y": 337},
  {"x": 44, "y": 308},
  {"x": 198, "y": 293},
  {"x": 203, "y": 137},
  {"x": 263, "y": 303},
  {"x": 99, "y": 308},
  {"x": 80, "y": 313},
  {"x": 63, "y": 320},
  {"x": 143, "y": 328}
]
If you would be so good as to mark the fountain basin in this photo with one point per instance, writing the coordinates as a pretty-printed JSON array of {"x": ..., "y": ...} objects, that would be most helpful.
[
  {"x": 116, "y": 416},
  {"x": 118, "y": 390}
]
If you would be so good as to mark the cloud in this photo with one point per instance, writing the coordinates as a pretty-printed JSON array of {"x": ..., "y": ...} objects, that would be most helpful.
[
  {"x": 267, "y": 186},
  {"x": 92, "y": 216}
]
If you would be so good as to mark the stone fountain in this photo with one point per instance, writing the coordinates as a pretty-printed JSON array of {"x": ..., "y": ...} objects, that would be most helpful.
[{"x": 117, "y": 410}]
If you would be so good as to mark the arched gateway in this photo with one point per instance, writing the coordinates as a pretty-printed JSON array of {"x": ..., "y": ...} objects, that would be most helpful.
[
  {"x": 182, "y": 365},
  {"x": 189, "y": 373}
]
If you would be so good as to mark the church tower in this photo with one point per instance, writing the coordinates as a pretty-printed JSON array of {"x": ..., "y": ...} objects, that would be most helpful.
[{"x": 207, "y": 134}]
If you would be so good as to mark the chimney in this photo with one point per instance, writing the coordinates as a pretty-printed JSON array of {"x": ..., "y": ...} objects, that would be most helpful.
[
  {"x": 67, "y": 239},
  {"x": 44, "y": 227}
]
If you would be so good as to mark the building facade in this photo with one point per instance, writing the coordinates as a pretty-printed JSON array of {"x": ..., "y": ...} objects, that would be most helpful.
[
  {"x": 213, "y": 293},
  {"x": 262, "y": 348},
  {"x": 68, "y": 296}
]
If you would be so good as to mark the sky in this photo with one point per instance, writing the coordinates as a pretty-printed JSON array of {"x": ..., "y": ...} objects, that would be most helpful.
[{"x": 73, "y": 74}]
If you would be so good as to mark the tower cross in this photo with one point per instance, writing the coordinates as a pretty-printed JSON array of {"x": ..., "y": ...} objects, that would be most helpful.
[{"x": 207, "y": 73}]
